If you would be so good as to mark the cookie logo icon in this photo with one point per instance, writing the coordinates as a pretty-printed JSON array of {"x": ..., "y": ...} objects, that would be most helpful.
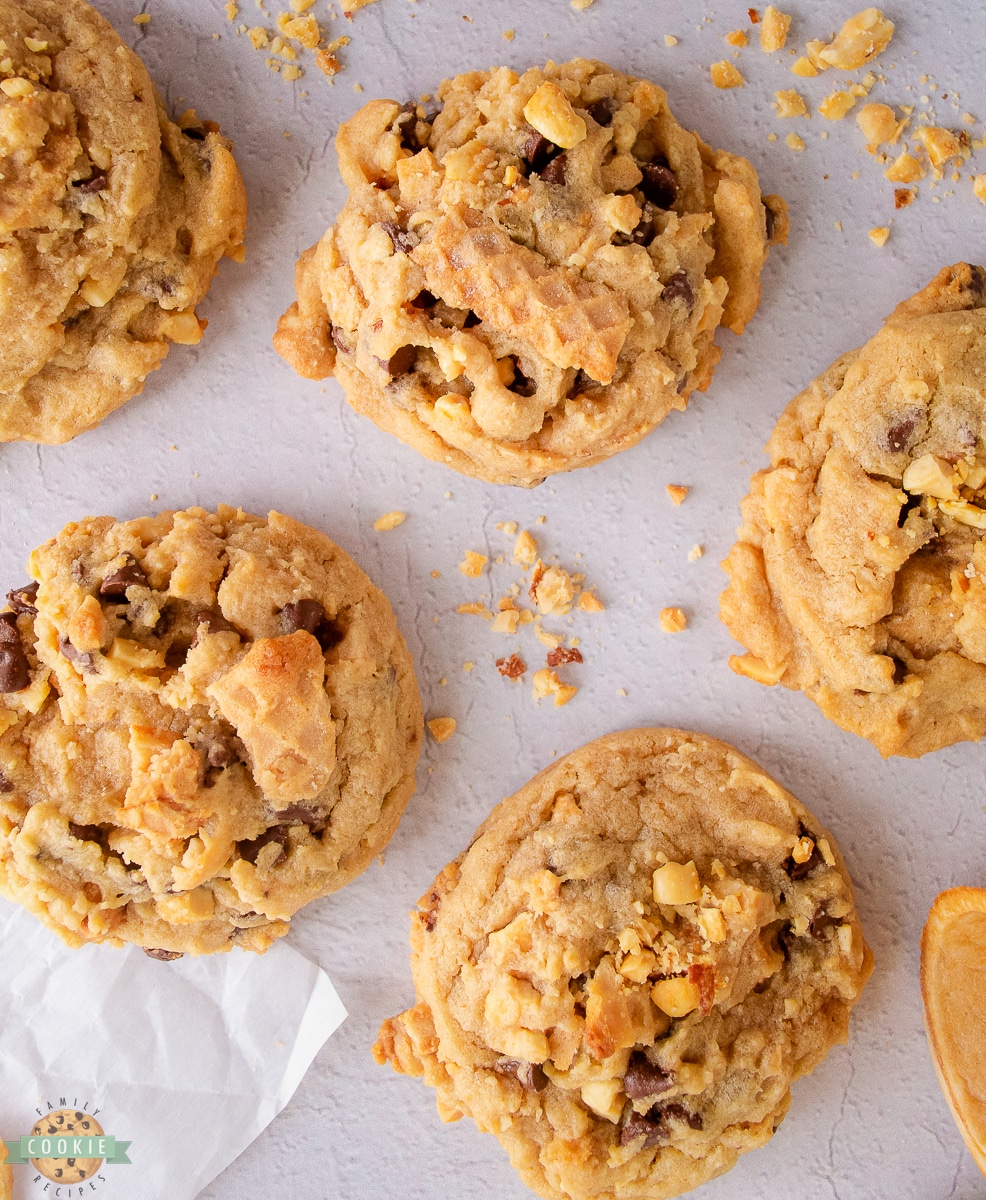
[{"x": 63, "y": 1124}]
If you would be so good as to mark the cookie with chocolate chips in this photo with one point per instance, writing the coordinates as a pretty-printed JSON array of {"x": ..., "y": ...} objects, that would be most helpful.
[
  {"x": 859, "y": 576},
  {"x": 529, "y": 279},
  {"x": 625, "y": 971},
  {"x": 206, "y": 721},
  {"x": 112, "y": 220}
]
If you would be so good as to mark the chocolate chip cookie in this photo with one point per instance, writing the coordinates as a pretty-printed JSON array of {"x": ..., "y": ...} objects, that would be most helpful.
[
  {"x": 208, "y": 719},
  {"x": 622, "y": 975},
  {"x": 860, "y": 571},
  {"x": 528, "y": 278},
  {"x": 112, "y": 220}
]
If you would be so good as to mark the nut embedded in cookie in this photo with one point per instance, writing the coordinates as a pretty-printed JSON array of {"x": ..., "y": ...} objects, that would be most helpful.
[
  {"x": 531, "y": 278},
  {"x": 206, "y": 721},
  {"x": 859, "y": 576},
  {"x": 624, "y": 973},
  {"x": 113, "y": 219}
]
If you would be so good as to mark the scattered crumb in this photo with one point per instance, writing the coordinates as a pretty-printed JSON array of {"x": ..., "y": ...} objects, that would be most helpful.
[
  {"x": 737, "y": 38},
  {"x": 677, "y": 492},
  {"x": 773, "y": 29},
  {"x": 540, "y": 520},
  {"x": 673, "y": 620},
  {"x": 442, "y": 728},
  {"x": 879, "y": 235},
  {"x": 754, "y": 16},
  {"x": 835, "y": 106},
  {"x": 508, "y": 35},
  {"x": 790, "y": 104},
  {"x": 468, "y": 666},
  {"x": 858, "y": 42},
  {"x": 258, "y": 37},
  {"x": 390, "y": 521},
  {"x": 560, "y": 655},
  {"x": 144, "y": 18},
  {"x": 837, "y": 225},
  {"x": 506, "y": 621},
  {"x": 581, "y": 5},
  {"x": 473, "y": 608},
  {"x": 725, "y": 75},
  {"x": 153, "y": 495},
  {"x": 804, "y": 68},
  {"x": 670, "y": 40},
  {"x": 878, "y": 123},
  {"x": 507, "y": 527},
  {"x": 512, "y": 667},
  {"x": 552, "y": 590},
  {"x": 904, "y": 196},
  {"x": 547, "y": 683},
  {"x": 794, "y": 142},
  {"x": 525, "y": 550},
  {"x": 290, "y": 73},
  {"x": 353, "y": 6},
  {"x": 621, "y": 691},
  {"x": 232, "y": 10},
  {"x": 905, "y": 169},
  {"x": 979, "y": 187},
  {"x": 590, "y": 602},
  {"x": 695, "y": 553},
  {"x": 473, "y": 563},
  {"x": 436, "y": 574}
]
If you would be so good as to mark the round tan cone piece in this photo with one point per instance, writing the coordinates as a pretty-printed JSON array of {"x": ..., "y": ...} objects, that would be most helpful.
[{"x": 953, "y": 984}]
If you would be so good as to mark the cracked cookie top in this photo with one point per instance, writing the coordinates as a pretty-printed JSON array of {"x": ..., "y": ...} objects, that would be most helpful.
[
  {"x": 206, "y": 721},
  {"x": 529, "y": 278},
  {"x": 859, "y": 575},
  {"x": 112, "y": 220},
  {"x": 622, "y": 975}
]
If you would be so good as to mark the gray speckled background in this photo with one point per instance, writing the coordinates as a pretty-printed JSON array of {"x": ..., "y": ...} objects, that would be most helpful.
[{"x": 871, "y": 1121}]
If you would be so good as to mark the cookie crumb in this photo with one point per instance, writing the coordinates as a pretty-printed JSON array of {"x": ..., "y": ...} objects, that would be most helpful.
[
  {"x": 979, "y": 187},
  {"x": 581, "y": 5},
  {"x": 790, "y": 103},
  {"x": 725, "y": 75},
  {"x": 442, "y": 728},
  {"x": 835, "y": 106},
  {"x": 879, "y": 235},
  {"x": 389, "y": 521},
  {"x": 142, "y": 19},
  {"x": 804, "y": 68},
  {"x": 506, "y": 621},
  {"x": 754, "y": 16},
  {"x": 858, "y": 42},
  {"x": 507, "y": 527},
  {"x": 677, "y": 492},
  {"x": 794, "y": 142},
  {"x": 773, "y": 29},
  {"x": 562, "y": 654},
  {"x": 553, "y": 591},
  {"x": 737, "y": 38},
  {"x": 508, "y": 35},
  {"x": 621, "y": 691},
  {"x": 904, "y": 196},
  {"x": 468, "y": 666},
  {"x": 232, "y": 10},
  {"x": 878, "y": 124},
  {"x": 547, "y": 683},
  {"x": 673, "y": 620},
  {"x": 513, "y": 667},
  {"x": 670, "y": 40},
  {"x": 904, "y": 169},
  {"x": 525, "y": 550},
  {"x": 590, "y": 602},
  {"x": 472, "y": 565},
  {"x": 258, "y": 37},
  {"x": 696, "y": 552}
]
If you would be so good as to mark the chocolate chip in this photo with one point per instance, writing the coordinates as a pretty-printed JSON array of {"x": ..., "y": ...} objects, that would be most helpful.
[
  {"x": 164, "y": 955},
  {"x": 678, "y": 288},
  {"x": 424, "y": 299},
  {"x": 821, "y": 921},
  {"x": 977, "y": 284},
  {"x": 402, "y": 361},
  {"x": 301, "y": 812},
  {"x": 5, "y": 784},
  {"x": 220, "y": 750},
  {"x": 659, "y": 184},
  {"x": 680, "y": 1113},
  {"x": 340, "y": 340},
  {"x": 530, "y": 1075},
  {"x": 602, "y": 110},
  {"x": 9, "y": 633},
  {"x": 900, "y": 432},
  {"x": 213, "y": 621},
  {"x": 644, "y": 1078},
  {"x": 15, "y": 671},
  {"x": 799, "y": 870},
  {"x": 538, "y": 151},
  {"x": 115, "y": 585},
  {"x": 402, "y": 239},
  {"x": 556, "y": 170},
  {"x": 85, "y": 833},
  {"x": 302, "y": 614},
  {"x": 562, "y": 654},
  {"x": 95, "y": 183},
  {"x": 277, "y": 834},
  {"x": 786, "y": 939},
  {"x": 22, "y": 599},
  {"x": 637, "y": 1124},
  {"x": 84, "y": 661}
]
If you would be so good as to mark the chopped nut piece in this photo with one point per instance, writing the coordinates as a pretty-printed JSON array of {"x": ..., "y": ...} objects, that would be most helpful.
[
  {"x": 442, "y": 728},
  {"x": 725, "y": 75},
  {"x": 35, "y": 46},
  {"x": 835, "y": 106},
  {"x": 804, "y": 847},
  {"x": 551, "y": 113},
  {"x": 794, "y": 142},
  {"x": 677, "y": 492},
  {"x": 804, "y": 68},
  {"x": 930, "y": 475},
  {"x": 737, "y": 38},
  {"x": 904, "y": 196},
  {"x": 554, "y": 592},
  {"x": 860, "y": 40},
  {"x": 790, "y": 104},
  {"x": 677, "y": 883},
  {"x": 512, "y": 667},
  {"x": 547, "y": 683},
  {"x": 673, "y": 620},
  {"x": 964, "y": 512},
  {"x": 676, "y": 996},
  {"x": 712, "y": 923},
  {"x": 756, "y": 669},
  {"x": 979, "y": 187},
  {"x": 389, "y": 521},
  {"x": 525, "y": 549},
  {"x": 878, "y": 123},
  {"x": 773, "y": 29},
  {"x": 879, "y": 235},
  {"x": 590, "y": 602},
  {"x": 17, "y": 88},
  {"x": 905, "y": 169},
  {"x": 473, "y": 563}
]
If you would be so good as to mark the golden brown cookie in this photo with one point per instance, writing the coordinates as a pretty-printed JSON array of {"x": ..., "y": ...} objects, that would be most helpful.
[
  {"x": 208, "y": 720},
  {"x": 112, "y": 220},
  {"x": 530, "y": 279},
  {"x": 625, "y": 971},
  {"x": 66, "y": 1123},
  {"x": 859, "y": 575},
  {"x": 953, "y": 984}
]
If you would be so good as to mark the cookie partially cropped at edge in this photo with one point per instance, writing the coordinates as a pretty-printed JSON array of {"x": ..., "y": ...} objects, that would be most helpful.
[
  {"x": 112, "y": 220},
  {"x": 859, "y": 575},
  {"x": 623, "y": 974},
  {"x": 530, "y": 279},
  {"x": 208, "y": 720}
]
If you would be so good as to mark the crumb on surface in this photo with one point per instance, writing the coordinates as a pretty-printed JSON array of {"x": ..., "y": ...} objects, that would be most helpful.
[
  {"x": 794, "y": 142},
  {"x": 142, "y": 18},
  {"x": 773, "y": 29},
  {"x": 979, "y": 187},
  {"x": 904, "y": 196},
  {"x": 725, "y": 75},
  {"x": 804, "y": 68},
  {"x": 441, "y": 728},
  {"x": 790, "y": 103},
  {"x": 389, "y": 521},
  {"x": 673, "y": 620},
  {"x": 677, "y": 492},
  {"x": 879, "y": 235},
  {"x": 473, "y": 563},
  {"x": 525, "y": 549},
  {"x": 590, "y": 602},
  {"x": 737, "y": 37},
  {"x": 696, "y": 552},
  {"x": 670, "y": 40},
  {"x": 474, "y": 608},
  {"x": 835, "y": 106},
  {"x": 513, "y": 667},
  {"x": 508, "y": 35},
  {"x": 547, "y": 683}
]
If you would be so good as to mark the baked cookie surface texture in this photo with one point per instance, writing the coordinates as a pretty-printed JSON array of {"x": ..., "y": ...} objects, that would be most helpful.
[
  {"x": 859, "y": 575},
  {"x": 112, "y": 220},
  {"x": 622, "y": 975},
  {"x": 530, "y": 280},
  {"x": 209, "y": 719}
]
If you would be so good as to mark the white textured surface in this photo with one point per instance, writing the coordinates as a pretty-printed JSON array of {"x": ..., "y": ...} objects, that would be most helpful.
[{"x": 871, "y": 1121}]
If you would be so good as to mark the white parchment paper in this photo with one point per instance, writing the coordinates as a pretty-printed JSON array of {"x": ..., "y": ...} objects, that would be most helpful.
[{"x": 188, "y": 1060}]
